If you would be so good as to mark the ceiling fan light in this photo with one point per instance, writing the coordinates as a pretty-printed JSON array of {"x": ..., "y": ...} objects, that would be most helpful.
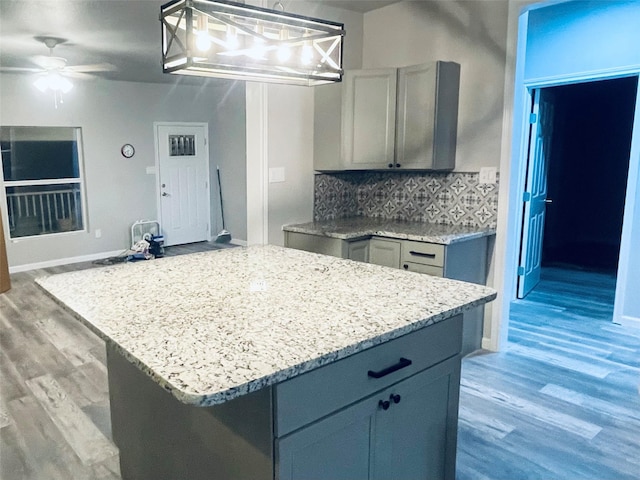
[
  {"x": 65, "y": 85},
  {"x": 53, "y": 81},
  {"x": 41, "y": 83}
]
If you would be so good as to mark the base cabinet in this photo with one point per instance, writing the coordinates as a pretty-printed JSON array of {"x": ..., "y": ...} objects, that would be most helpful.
[
  {"x": 405, "y": 432},
  {"x": 387, "y": 412}
]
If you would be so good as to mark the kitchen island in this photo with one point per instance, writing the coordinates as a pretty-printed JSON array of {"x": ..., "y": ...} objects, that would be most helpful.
[{"x": 266, "y": 362}]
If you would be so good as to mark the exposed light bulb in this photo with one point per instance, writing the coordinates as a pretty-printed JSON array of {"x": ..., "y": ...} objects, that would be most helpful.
[
  {"x": 284, "y": 53},
  {"x": 203, "y": 41},
  {"x": 232, "y": 39},
  {"x": 284, "y": 50},
  {"x": 307, "y": 54},
  {"x": 259, "y": 48}
]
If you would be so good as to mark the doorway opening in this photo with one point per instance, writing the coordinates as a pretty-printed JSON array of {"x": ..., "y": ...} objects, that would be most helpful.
[{"x": 585, "y": 169}]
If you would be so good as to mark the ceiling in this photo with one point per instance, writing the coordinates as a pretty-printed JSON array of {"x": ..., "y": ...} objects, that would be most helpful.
[{"x": 124, "y": 33}]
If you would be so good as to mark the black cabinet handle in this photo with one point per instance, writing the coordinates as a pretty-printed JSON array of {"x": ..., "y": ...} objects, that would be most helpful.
[
  {"x": 384, "y": 404},
  {"x": 397, "y": 165},
  {"x": 421, "y": 254},
  {"x": 395, "y": 398},
  {"x": 391, "y": 165},
  {"x": 405, "y": 266},
  {"x": 402, "y": 363}
]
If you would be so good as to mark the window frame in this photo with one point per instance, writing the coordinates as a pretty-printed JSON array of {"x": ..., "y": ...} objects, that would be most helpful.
[{"x": 80, "y": 181}]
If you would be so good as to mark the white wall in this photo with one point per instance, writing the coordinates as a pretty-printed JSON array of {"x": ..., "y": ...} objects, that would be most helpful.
[
  {"x": 582, "y": 37},
  {"x": 119, "y": 191},
  {"x": 471, "y": 33},
  {"x": 280, "y": 135}
]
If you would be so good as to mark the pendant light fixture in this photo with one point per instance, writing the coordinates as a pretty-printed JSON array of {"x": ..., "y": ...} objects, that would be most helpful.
[{"x": 231, "y": 40}]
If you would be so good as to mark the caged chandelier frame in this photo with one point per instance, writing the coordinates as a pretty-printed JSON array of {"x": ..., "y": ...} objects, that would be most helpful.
[{"x": 236, "y": 41}]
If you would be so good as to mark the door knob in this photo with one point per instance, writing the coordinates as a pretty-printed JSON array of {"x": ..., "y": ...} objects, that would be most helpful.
[
  {"x": 384, "y": 404},
  {"x": 395, "y": 398},
  {"x": 165, "y": 194}
]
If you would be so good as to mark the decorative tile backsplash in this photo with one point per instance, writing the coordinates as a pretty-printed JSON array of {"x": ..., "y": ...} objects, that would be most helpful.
[{"x": 449, "y": 198}]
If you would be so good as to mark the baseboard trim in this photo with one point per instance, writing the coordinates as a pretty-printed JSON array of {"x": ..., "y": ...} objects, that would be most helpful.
[
  {"x": 64, "y": 261},
  {"x": 627, "y": 321}
]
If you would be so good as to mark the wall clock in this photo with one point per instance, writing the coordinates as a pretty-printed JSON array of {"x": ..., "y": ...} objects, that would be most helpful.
[{"x": 127, "y": 150}]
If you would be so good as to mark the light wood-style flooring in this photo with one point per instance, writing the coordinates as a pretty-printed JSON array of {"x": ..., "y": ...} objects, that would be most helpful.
[
  {"x": 563, "y": 400},
  {"x": 561, "y": 403}
]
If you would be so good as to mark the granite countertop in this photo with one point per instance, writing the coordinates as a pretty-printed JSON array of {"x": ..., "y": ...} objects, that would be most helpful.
[
  {"x": 352, "y": 228},
  {"x": 209, "y": 327}
]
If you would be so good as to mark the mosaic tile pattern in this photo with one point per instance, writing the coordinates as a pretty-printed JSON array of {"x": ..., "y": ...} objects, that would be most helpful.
[
  {"x": 453, "y": 198},
  {"x": 228, "y": 322}
]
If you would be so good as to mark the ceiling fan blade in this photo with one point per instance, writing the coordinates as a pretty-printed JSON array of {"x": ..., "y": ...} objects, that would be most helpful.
[
  {"x": 20, "y": 70},
  {"x": 49, "y": 62},
  {"x": 78, "y": 75},
  {"x": 96, "y": 67}
]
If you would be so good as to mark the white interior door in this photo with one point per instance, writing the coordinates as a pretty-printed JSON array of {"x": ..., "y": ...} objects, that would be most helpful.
[
  {"x": 535, "y": 195},
  {"x": 183, "y": 173}
]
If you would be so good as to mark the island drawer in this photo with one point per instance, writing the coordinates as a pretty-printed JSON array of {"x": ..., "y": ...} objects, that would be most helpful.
[
  {"x": 313, "y": 395},
  {"x": 421, "y": 252}
]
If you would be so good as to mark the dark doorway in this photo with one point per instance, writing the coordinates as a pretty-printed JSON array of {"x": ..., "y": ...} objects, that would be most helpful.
[{"x": 587, "y": 176}]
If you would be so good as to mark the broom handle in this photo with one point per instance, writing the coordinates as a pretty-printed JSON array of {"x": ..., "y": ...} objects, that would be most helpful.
[{"x": 220, "y": 192}]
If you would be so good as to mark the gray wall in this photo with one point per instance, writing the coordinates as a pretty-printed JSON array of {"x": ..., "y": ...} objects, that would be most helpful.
[{"x": 120, "y": 191}]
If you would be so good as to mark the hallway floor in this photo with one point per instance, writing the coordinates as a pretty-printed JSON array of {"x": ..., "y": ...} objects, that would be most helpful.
[{"x": 563, "y": 401}]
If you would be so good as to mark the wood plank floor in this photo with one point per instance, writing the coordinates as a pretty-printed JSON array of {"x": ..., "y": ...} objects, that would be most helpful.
[
  {"x": 561, "y": 403},
  {"x": 563, "y": 400}
]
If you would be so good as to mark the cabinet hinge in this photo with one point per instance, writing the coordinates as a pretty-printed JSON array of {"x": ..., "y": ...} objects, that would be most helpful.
[
  {"x": 526, "y": 197},
  {"x": 533, "y": 117},
  {"x": 520, "y": 270}
]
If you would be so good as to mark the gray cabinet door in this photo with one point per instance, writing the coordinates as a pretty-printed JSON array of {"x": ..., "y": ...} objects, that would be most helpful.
[
  {"x": 359, "y": 250},
  {"x": 369, "y": 118},
  {"x": 336, "y": 448},
  {"x": 413, "y": 438},
  {"x": 384, "y": 252},
  {"x": 420, "y": 430}
]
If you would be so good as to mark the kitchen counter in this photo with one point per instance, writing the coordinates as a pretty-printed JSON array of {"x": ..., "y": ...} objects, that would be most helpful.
[
  {"x": 210, "y": 327},
  {"x": 352, "y": 228}
]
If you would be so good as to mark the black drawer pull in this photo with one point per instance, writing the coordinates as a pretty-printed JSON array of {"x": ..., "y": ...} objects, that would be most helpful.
[
  {"x": 402, "y": 363},
  {"x": 421, "y": 254}
]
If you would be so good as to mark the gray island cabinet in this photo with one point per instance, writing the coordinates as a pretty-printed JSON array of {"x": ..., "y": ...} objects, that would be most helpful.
[{"x": 249, "y": 363}]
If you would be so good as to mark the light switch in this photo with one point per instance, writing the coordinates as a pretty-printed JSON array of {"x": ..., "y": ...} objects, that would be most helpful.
[
  {"x": 487, "y": 175},
  {"x": 276, "y": 174}
]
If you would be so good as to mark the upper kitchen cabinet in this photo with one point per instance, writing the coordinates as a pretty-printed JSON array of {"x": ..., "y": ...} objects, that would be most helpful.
[{"x": 389, "y": 119}]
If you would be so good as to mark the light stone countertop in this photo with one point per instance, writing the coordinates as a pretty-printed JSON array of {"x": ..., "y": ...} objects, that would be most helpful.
[
  {"x": 209, "y": 327},
  {"x": 352, "y": 228}
]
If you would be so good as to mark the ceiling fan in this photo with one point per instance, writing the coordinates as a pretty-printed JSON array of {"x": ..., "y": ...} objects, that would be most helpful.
[{"x": 52, "y": 71}]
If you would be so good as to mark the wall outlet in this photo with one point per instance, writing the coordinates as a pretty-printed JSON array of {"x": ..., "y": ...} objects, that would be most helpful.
[
  {"x": 276, "y": 175},
  {"x": 98, "y": 233},
  {"x": 487, "y": 175}
]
